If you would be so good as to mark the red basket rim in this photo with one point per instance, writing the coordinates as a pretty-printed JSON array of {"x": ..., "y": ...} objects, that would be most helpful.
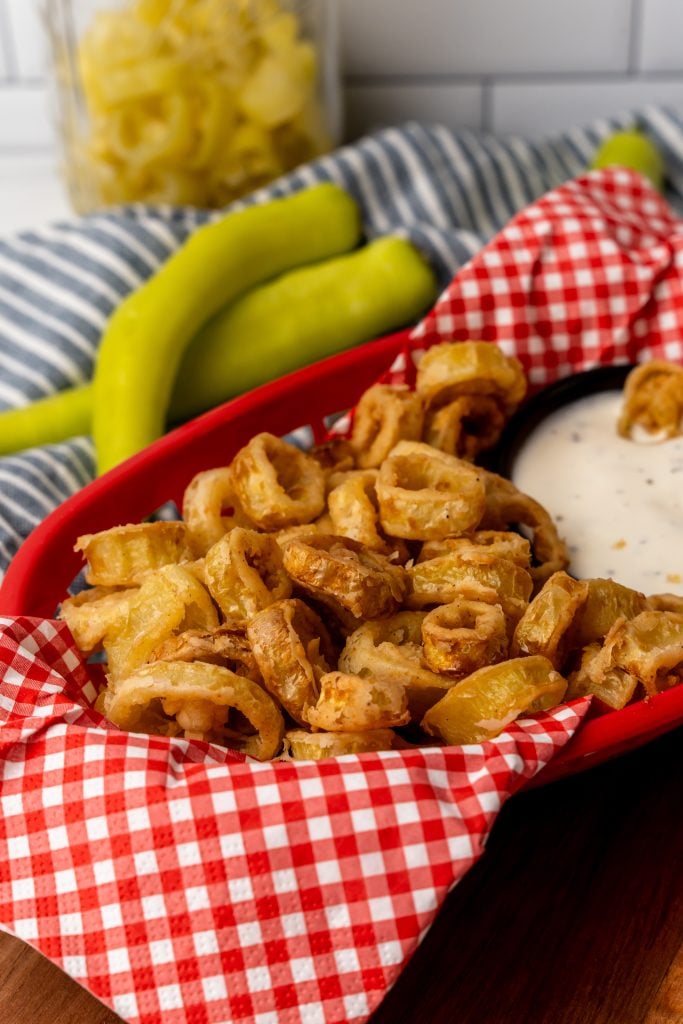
[{"x": 600, "y": 738}]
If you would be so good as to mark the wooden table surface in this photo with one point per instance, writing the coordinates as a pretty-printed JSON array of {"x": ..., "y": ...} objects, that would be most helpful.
[{"x": 573, "y": 916}]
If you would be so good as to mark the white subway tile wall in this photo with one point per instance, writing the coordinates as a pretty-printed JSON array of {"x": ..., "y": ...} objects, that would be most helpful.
[
  {"x": 527, "y": 66},
  {"x": 662, "y": 36},
  {"x": 27, "y": 38},
  {"x": 485, "y": 37}
]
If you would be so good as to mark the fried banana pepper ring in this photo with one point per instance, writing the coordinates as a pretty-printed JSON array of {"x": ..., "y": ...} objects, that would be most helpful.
[
  {"x": 547, "y": 624},
  {"x": 607, "y": 601},
  {"x": 293, "y": 650},
  {"x": 472, "y": 577},
  {"x": 649, "y": 647},
  {"x": 363, "y": 582},
  {"x": 211, "y": 508},
  {"x": 507, "y": 506},
  {"x": 500, "y": 543},
  {"x": 94, "y": 614},
  {"x": 385, "y": 415},
  {"x": 482, "y": 705},
  {"x": 227, "y": 646},
  {"x": 349, "y": 703},
  {"x": 653, "y": 399},
  {"x": 425, "y": 494},
  {"x": 352, "y": 505},
  {"x": 244, "y": 573},
  {"x": 612, "y": 686},
  {"x": 354, "y": 513},
  {"x": 466, "y": 427},
  {"x": 334, "y": 456},
  {"x": 169, "y": 601},
  {"x": 462, "y": 636},
  {"x": 450, "y": 370},
  {"x": 665, "y": 603},
  {"x": 120, "y": 557},
  {"x": 198, "y": 696},
  {"x": 277, "y": 484},
  {"x": 314, "y": 746},
  {"x": 389, "y": 649}
]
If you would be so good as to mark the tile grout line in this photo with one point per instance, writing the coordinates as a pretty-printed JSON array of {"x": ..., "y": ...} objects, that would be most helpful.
[
  {"x": 635, "y": 50},
  {"x": 510, "y": 78},
  {"x": 487, "y": 104},
  {"x": 7, "y": 47}
]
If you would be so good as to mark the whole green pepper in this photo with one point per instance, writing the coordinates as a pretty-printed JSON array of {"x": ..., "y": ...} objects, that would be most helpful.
[
  {"x": 302, "y": 317},
  {"x": 297, "y": 319},
  {"x": 147, "y": 336}
]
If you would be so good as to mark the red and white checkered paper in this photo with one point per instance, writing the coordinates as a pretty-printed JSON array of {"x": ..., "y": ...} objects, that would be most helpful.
[
  {"x": 183, "y": 885},
  {"x": 591, "y": 274}
]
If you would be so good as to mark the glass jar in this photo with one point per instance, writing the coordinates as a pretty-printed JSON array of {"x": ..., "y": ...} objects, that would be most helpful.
[{"x": 190, "y": 102}]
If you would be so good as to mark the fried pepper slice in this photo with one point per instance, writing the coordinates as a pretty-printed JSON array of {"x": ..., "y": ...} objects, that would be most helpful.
[
  {"x": 653, "y": 399},
  {"x": 463, "y": 636},
  {"x": 479, "y": 707},
  {"x": 211, "y": 508},
  {"x": 389, "y": 649},
  {"x": 244, "y": 573},
  {"x": 466, "y": 427},
  {"x": 385, "y": 415},
  {"x": 120, "y": 557},
  {"x": 196, "y": 698},
  {"x": 606, "y": 602},
  {"x": 350, "y": 703},
  {"x": 314, "y": 746},
  {"x": 277, "y": 484},
  {"x": 293, "y": 649},
  {"x": 94, "y": 614},
  {"x": 227, "y": 645},
  {"x": 649, "y": 647},
  {"x": 425, "y": 494},
  {"x": 363, "y": 582},
  {"x": 507, "y": 506},
  {"x": 500, "y": 543},
  {"x": 169, "y": 601},
  {"x": 612, "y": 686},
  {"x": 547, "y": 624},
  {"x": 472, "y": 577},
  {"x": 457, "y": 368}
]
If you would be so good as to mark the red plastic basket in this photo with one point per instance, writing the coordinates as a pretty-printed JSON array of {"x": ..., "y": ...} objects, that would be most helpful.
[{"x": 46, "y": 564}]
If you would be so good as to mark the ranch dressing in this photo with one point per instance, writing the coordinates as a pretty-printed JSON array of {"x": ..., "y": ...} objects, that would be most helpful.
[{"x": 618, "y": 503}]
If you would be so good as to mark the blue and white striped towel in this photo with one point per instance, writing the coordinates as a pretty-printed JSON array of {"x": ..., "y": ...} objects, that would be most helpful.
[{"x": 449, "y": 192}]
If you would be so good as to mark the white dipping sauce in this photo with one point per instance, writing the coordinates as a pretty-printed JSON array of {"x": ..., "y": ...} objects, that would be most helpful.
[{"x": 617, "y": 503}]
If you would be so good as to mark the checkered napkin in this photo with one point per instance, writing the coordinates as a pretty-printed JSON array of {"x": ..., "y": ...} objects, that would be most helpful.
[
  {"x": 591, "y": 274},
  {"x": 183, "y": 885}
]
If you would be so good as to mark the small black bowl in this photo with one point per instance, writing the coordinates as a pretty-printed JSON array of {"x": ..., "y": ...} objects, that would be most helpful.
[{"x": 546, "y": 401}]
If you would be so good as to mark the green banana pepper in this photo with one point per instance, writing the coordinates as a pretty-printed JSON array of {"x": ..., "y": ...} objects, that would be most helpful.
[
  {"x": 302, "y": 316},
  {"x": 146, "y": 338}
]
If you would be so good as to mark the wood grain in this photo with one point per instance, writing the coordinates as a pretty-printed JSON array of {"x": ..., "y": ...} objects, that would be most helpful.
[{"x": 573, "y": 916}]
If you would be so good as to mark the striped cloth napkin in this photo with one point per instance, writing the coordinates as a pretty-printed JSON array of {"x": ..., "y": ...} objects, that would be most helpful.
[{"x": 449, "y": 192}]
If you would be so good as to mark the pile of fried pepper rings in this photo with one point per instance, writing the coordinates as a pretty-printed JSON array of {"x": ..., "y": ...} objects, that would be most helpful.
[{"x": 372, "y": 593}]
